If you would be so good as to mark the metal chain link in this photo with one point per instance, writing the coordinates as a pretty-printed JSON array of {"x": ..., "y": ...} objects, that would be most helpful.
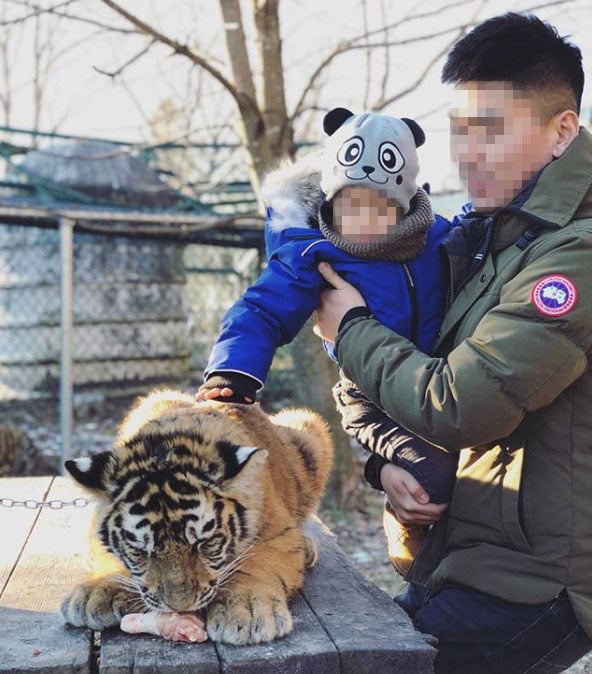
[{"x": 54, "y": 504}]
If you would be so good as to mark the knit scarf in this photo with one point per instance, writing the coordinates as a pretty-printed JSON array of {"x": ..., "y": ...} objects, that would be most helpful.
[{"x": 404, "y": 243}]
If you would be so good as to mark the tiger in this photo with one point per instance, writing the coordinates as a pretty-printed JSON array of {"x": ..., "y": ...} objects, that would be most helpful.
[{"x": 202, "y": 507}]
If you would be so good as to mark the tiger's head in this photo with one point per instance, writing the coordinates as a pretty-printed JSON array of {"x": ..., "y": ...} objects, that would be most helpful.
[{"x": 179, "y": 499}]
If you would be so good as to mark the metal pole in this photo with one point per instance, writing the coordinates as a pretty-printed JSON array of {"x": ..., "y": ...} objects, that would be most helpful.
[{"x": 66, "y": 397}]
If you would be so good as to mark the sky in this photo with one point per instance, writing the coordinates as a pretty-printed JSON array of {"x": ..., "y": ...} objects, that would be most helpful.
[{"x": 80, "y": 98}]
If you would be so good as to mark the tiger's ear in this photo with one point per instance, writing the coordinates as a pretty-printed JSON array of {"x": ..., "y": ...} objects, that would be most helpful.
[
  {"x": 92, "y": 472},
  {"x": 243, "y": 454},
  {"x": 236, "y": 458}
]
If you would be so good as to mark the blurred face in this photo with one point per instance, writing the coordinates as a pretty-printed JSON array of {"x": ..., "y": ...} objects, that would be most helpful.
[
  {"x": 498, "y": 141},
  {"x": 364, "y": 215}
]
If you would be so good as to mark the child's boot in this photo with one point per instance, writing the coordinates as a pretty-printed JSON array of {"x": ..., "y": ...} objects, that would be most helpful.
[{"x": 404, "y": 540}]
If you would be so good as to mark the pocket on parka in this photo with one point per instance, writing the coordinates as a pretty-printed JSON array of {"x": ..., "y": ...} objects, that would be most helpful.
[
  {"x": 512, "y": 502},
  {"x": 486, "y": 504}
]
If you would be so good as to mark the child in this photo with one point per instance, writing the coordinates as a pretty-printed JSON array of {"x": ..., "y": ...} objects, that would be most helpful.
[{"x": 373, "y": 224}]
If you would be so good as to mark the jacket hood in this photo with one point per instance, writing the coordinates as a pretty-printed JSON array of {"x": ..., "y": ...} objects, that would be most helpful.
[{"x": 292, "y": 192}]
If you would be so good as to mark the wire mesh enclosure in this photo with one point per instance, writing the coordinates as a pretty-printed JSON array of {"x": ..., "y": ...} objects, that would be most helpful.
[{"x": 144, "y": 314}]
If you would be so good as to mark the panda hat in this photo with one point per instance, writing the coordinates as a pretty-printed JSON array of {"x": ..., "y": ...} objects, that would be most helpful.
[
  {"x": 380, "y": 152},
  {"x": 371, "y": 150}
]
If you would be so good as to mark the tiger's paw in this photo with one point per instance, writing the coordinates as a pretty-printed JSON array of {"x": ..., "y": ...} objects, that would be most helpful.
[
  {"x": 249, "y": 620},
  {"x": 97, "y": 605}
]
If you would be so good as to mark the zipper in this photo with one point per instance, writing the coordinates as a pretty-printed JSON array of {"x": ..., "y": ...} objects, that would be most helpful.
[
  {"x": 413, "y": 300},
  {"x": 484, "y": 252}
]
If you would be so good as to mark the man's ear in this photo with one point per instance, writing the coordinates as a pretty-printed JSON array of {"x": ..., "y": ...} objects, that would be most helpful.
[
  {"x": 92, "y": 472},
  {"x": 416, "y": 130},
  {"x": 566, "y": 126},
  {"x": 334, "y": 119}
]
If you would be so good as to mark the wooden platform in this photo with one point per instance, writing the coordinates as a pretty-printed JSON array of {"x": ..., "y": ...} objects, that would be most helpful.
[{"x": 343, "y": 623}]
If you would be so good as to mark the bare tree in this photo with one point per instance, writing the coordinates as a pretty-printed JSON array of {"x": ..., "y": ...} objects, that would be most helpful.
[{"x": 254, "y": 79}]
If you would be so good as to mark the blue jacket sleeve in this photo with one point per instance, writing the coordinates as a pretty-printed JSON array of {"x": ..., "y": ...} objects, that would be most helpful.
[{"x": 270, "y": 313}]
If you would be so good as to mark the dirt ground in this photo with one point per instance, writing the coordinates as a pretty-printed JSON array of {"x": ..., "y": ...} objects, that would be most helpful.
[{"x": 359, "y": 533}]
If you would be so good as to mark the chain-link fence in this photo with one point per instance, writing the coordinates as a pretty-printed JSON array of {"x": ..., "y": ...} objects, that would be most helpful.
[{"x": 144, "y": 314}]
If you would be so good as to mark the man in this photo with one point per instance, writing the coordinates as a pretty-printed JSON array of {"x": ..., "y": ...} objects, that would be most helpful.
[{"x": 504, "y": 579}]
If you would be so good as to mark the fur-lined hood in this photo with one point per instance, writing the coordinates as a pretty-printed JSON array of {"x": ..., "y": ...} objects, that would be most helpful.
[{"x": 293, "y": 193}]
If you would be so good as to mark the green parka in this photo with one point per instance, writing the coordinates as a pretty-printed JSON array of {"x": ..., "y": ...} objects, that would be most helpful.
[{"x": 510, "y": 386}]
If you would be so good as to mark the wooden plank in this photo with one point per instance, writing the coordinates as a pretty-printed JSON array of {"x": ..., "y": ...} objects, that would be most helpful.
[
  {"x": 371, "y": 633},
  {"x": 306, "y": 650},
  {"x": 53, "y": 559},
  {"x": 343, "y": 623},
  {"x": 16, "y": 523},
  {"x": 144, "y": 654}
]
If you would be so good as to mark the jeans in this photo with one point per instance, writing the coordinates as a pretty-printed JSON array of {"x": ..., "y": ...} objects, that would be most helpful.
[{"x": 481, "y": 634}]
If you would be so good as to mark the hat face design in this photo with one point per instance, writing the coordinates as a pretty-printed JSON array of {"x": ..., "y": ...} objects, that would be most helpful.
[
  {"x": 357, "y": 165},
  {"x": 371, "y": 150}
]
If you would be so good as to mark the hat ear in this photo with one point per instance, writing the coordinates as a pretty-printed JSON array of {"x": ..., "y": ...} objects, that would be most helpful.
[
  {"x": 334, "y": 119},
  {"x": 416, "y": 130}
]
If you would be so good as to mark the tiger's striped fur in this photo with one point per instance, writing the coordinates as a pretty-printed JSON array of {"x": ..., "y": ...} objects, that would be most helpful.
[{"x": 204, "y": 506}]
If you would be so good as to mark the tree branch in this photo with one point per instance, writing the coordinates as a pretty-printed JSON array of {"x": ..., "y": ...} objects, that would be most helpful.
[
  {"x": 460, "y": 32},
  {"x": 381, "y": 105},
  {"x": 387, "y": 63},
  {"x": 183, "y": 50},
  {"x": 36, "y": 11},
  {"x": 64, "y": 15},
  {"x": 352, "y": 44},
  {"x": 114, "y": 73},
  {"x": 368, "y": 56},
  {"x": 413, "y": 17}
]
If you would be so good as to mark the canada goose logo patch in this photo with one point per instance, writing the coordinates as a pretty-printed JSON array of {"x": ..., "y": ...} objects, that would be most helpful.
[{"x": 554, "y": 295}]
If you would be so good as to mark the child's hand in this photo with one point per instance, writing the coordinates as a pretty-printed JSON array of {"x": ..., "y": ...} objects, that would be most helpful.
[
  {"x": 217, "y": 393},
  {"x": 229, "y": 387}
]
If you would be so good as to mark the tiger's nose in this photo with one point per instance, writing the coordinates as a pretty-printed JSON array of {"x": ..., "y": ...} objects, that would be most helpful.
[
  {"x": 179, "y": 601},
  {"x": 368, "y": 169}
]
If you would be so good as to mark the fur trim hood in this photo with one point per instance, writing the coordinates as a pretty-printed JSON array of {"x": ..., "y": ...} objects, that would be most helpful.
[{"x": 293, "y": 194}]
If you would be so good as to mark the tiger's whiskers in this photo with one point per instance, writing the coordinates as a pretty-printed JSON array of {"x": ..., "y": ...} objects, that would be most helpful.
[{"x": 234, "y": 565}]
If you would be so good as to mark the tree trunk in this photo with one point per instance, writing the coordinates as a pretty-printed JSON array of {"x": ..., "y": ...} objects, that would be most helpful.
[
  {"x": 316, "y": 372},
  {"x": 316, "y": 375},
  {"x": 272, "y": 97},
  {"x": 251, "y": 124}
]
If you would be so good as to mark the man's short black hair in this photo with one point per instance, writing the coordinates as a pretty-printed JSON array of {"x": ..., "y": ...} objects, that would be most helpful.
[{"x": 523, "y": 50}]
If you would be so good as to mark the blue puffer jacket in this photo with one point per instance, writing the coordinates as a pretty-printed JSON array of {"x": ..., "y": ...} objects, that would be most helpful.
[{"x": 407, "y": 297}]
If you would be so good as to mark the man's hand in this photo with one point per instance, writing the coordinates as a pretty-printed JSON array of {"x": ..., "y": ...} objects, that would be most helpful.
[
  {"x": 408, "y": 499},
  {"x": 335, "y": 303}
]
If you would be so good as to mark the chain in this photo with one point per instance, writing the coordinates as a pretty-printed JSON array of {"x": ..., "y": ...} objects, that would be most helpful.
[{"x": 31, "y": 504}]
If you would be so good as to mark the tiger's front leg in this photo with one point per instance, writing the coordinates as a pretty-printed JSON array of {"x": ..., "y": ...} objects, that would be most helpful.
[
  {"x": 99, "y": 603},
  {"x": 253, "y": 607}
]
